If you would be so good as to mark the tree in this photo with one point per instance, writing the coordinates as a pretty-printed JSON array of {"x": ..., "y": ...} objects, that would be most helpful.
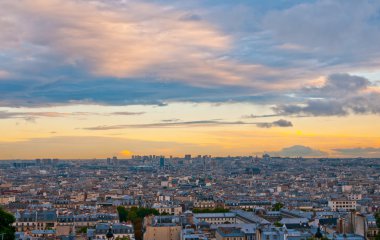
[
  {"x": 377, "y": 216},
  {"x": 138, "y": 227},
  {"x": 6, "y": 221},
  {"x": 123, "y": 213},
  {"x": 83, "y": 230},
  {"x": 136, "y": 216},
  {"x": 277, "y": 206},
  {"x": 132, "y": 216},
  {"x": 278, "y": 224}
]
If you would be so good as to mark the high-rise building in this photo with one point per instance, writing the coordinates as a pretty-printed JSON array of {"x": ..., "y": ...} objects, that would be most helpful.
[
  {"x": 162, "y": 162},
  {"x": 115, "y": 161}
]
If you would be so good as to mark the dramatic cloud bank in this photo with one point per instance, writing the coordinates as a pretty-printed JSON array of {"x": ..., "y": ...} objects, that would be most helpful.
[
  {"x": 340, "y": 95},
  {"x": 59, "y": 52}
]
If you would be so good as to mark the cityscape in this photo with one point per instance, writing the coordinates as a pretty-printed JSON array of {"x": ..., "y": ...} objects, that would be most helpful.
[
  {"x": 193, "y": 197},
  {"x": 189, "y": 120}
]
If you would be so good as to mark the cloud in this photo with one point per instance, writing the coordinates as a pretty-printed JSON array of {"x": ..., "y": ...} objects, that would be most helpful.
[
  {"x": 65, "y": 52},
  {"x": 339, "y": 86},
  {"x": 135, "y": 39},
  {"x": 299, "y": 151},
  {"x": 117, "y": 52},
  {"x": 29, "y": 115},
  {"x": 171, "y": 120},
  {"x": 4, "y": 74},
  {"x": 359, "y": 152},
  {"x": 34, "y": 115},
  {"x": 260, "y": 116},
  {"x": 127, "y": 113},
  {"x": 278, "y": 123},
  {"x": 333, "y": 32},
  {"x": 200, "y": 123},
  {"x": 340, "y": 95},
  {"x": 313, "y": 108},
  {"x": 190, "y": 17},
  {"x": 122, "y": 92}
]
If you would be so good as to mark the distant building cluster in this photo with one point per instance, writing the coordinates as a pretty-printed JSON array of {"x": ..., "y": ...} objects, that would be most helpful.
[{"x": 194, "y": 198}]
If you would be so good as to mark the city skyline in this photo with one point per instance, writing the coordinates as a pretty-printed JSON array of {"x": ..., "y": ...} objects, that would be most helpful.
[{"x": 94, "y": 79}]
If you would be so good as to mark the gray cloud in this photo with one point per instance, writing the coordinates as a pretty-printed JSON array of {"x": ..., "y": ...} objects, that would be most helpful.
[
  {"x": 175, "y": 123},
  {"x": 260, "y": 116},
  {"x": 313, "y": 108},
  {"x": 299, "y": 151},
  {"x": 171, "y": 120},
  {"x": 340, "y": 95},
  {"x": 190, "y": 17},
  {"x": 334, "y": 32},
  {"x": 167, "y": 124},
  {"x": 339, "y": 86},
  {"x": 254, "y": 53},
  {"x": 127, "y": 113},
  {"x": 359, "y": 152},
  {"x": 30, "y": 116},
  {"x": 278, "y": 123}
]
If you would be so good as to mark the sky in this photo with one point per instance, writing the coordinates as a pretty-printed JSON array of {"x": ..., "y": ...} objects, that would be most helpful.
[{"x": 100, "y": 78}]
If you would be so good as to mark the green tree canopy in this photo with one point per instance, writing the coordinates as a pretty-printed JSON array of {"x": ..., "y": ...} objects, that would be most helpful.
[
  {"x": 136, "y": 216},
  {"x": 123, "y": 213},
  {"x": 377, "y": 216},
  {"x": 277, "y": 206},
  {"x": 6, "y": 220},
  {"x": 278, "y": 224}
]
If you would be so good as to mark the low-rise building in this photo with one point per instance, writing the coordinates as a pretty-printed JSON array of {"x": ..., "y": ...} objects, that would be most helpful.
[
  {"x": 6, "y": 199},
  {"x": 162, "y": 228},
  {"x": 168, "y": 209},
  {"x": 191, "y": 234},
  {"x": 118, "y": 230},
  {"x": 342, "y": 204},
  {"x": 35, "y": 220},
  {"x": 228, "y": 233}
]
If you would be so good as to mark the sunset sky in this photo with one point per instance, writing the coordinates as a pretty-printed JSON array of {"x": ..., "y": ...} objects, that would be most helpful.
[{"x": 100, "y": 78}]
